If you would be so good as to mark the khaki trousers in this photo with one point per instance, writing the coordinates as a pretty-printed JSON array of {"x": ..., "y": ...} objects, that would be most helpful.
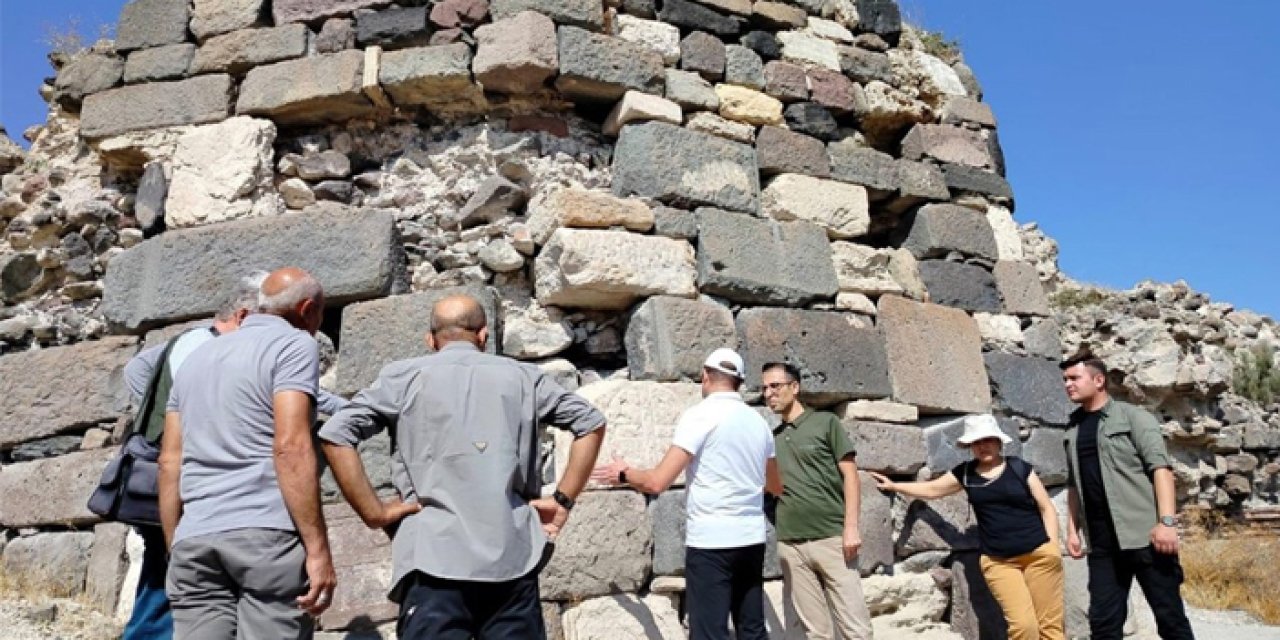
[
  {"x": 822, "y": 586},
  {"x": 1029, "y": 590}
]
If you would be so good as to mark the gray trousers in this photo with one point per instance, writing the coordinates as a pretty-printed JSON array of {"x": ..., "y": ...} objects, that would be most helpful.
[{"x": 239, "y": 584}]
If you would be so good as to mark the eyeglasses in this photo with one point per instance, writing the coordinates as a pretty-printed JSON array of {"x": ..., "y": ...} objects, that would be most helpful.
[{"x": 774, "y": 386}]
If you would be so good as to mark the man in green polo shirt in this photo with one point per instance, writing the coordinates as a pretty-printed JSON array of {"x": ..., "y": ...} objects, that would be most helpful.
[{"x": 818, "y": 501}]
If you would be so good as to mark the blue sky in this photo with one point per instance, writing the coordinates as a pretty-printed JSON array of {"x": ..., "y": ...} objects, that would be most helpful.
[{"x": 1139, "y": 134}]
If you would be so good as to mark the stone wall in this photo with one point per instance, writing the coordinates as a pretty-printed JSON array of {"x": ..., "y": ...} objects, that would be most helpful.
[{"x": 626, "y": 184}]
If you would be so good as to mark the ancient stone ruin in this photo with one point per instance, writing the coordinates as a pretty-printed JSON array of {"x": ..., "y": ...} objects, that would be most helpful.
[{"x": 626, "y": 185}]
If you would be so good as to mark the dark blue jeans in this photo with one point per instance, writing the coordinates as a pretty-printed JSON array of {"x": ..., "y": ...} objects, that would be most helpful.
[
  {"x": 724, "y": 584},
  {"x": 439, "y": 609},
  {"x": 151, "y": 619}
]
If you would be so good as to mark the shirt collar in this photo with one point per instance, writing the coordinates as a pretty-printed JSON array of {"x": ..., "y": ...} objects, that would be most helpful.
[
  {"x": 459, "y": 345},
  {"x": 725, "y": 395},
  {"x": 800, "y": 418}
]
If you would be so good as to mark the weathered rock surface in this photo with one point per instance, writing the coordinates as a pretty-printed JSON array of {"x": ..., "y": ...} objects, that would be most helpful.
[
  {"x": 378, "y": 332},
  {"x": 53, "y": 563},
  {"x": 943, "y": 524},
  {"x": 311, "y": 10},
  {"x": 610, "y": 269},
  {"x": 938, "y": 229},
  {"x": 516, "y": 54},
  {"x": 156, "y": 104},
  {"x": 757, "y": 261},
  {"x": 239, "y": 51},
  {"x": 595, "y": 67},
  {"x": 641, "y": 419},
  {"x": 307, "y": 91},
  {"x": 436, "y": 76},
  {"x": 685, "y": 168},
  {"x": 869, "y": 271},
  {"x": 579, "y": 13},
  {"x": 582, "y": 567},
  {"x": 169, "y": 62},
  {"x": 960, "y": 285},
  {"x": 934, "y": 354},
  {"x": 1028, "y": 386},
  {"x": 842, "y": 209},
  {"x": 887, "y": 448},
  {"x": 1020, "y": 288},
  {"x": 152, "y": 23},
  {"x": 624, "y": 617},
  {"x": 214, "y": 17},
  {"x": 668, "y": 338},
  {"x": 222, "y": 172},
  {"x": 838, "y": 359},
  {"x": 183, "y": 274},
  {"x": 85, "y": 75},
  {"x": 52, "y": 491},
  {"x": 49, "y": 401}
]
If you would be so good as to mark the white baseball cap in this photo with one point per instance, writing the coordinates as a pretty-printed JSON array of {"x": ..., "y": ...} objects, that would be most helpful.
[
  {"x": 979, "y": 427},
  {"x": 726, "y": 361}
]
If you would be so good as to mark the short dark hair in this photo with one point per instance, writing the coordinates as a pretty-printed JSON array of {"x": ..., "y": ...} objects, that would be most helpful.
[
  {"x": 1088, "y": 360},
  {"x": 787, "y": 368}
]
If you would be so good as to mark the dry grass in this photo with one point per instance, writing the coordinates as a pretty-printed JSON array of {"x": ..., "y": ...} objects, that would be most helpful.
[{"x": 1232, "y": 566}]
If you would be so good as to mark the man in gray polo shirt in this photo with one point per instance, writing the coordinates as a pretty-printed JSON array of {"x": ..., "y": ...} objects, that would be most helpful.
[
  {"x": 239, "y": 492},
  {"x": 466, "y": 424}
]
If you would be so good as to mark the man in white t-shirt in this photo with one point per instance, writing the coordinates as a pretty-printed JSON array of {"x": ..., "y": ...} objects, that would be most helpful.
[{"x": 727, "y": 448}]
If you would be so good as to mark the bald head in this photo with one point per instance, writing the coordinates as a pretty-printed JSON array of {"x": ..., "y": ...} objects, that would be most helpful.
[
  {"x": 296, "y": 296},
  {"x": 458, "y": 317}
]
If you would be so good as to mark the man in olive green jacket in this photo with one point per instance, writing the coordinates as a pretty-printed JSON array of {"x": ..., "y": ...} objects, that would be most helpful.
[{"x": 1121, "y": 492}]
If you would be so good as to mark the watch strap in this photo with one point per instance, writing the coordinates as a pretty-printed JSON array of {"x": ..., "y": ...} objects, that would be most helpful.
[{"x": 563, "y": 500}]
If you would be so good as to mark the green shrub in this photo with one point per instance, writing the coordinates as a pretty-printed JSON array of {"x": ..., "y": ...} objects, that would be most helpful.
[
  {"x": 1077, "y": 298},
  {"x": 936, "y": 44},
  {"x": 1256, "y": 376}
]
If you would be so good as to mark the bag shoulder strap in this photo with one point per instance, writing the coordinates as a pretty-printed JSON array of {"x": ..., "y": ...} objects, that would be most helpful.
[{"x": 142, "y": 419}]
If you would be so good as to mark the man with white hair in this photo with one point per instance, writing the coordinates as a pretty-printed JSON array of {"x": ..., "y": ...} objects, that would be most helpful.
[
  {"x": 151, "y": 618},
  {"x": 239, "y": 490},
  {"x": 727, "y": 448}
]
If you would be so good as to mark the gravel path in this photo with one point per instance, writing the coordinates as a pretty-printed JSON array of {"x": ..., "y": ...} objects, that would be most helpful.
[{"x": 1229, "y": 625}]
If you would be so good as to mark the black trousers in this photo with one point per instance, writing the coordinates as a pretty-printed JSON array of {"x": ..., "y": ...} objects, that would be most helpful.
[
  {"x": 1111, "y": 575},
  {"x": 438, "y": 609},
  {"x": 721, "y": 584}
]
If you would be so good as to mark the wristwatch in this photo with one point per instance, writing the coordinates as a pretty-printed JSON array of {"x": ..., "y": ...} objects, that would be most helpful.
[
  {"x": 1168, "y": 521},
  {"x": 622, "y": 477},
  {"x": 563, "y": 500}
]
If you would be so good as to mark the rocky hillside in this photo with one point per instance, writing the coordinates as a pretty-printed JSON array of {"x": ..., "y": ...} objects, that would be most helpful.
[{"x": 1210, "y": 371}]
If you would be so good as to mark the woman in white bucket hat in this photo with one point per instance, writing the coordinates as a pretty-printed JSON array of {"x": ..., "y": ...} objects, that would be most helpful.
[{"x": 1017, "y": 528}]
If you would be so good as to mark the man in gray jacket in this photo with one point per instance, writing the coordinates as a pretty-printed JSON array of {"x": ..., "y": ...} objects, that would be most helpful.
[{"x": 466, "y": 426}]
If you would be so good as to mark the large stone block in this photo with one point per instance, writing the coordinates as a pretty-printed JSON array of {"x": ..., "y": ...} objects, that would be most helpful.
[
  {"x": 944, "y": 524},
  {"x": 213, "y": 17},
  {"x": 90, "y": 73},
  {"x": 691, "y": 91},
  {"x": 378, "y": 332},
  {"x": 156, "y": 104},
  {"x": 600, "y": 68},
  {"x": 239, "y": 51},
  {"x": 894, "y": 449},
  {"x": 974, "y": 611},
  {"x": 939, "y": 229},
  {"x": 881, "y": 17},
  {"x": 108, "y": 564},
  {"x": 582, "y": 567},
  {"x": 222, "y": 172},
  {"x": 873, "y": 272},
  {"x": 641, "y": 419},
  {"x": 582, "y": 208},
  {"x": 1029, "y": 386},
  {"x": 757, "y": 261},
  {"x": 875, "y": 524},
  {"x": 48, "y": 401},
  {"x": 1020, "y": 288},
  {"x": 662, "y": 38},
  {"x": 438, "y": 76},
  {"x": 392, "y": 27},
  {"x": 1044, "y": 451},
  {"x": 935, "y": 356},
  {"x": 704, "y": 54},
  {"x": 48, "y": 563},
  {"x": 641, "y": 107},
  {"x": 781, "y": 151},
  {"x": 837, "y": 358},
  {"x": 669, "y": 517},
  {"x": 841, "y": 209},
  {"x": 942, "y": 442},
  {"x": 692, "y": 16},
  {"x": 152, "y": 23},
  {"x": 864, "y": 66},
  {"x": 308, "y": 91},
  {"x": 184, "y": 274},
  {"x": 610, "y": 269},
  {"x": 961, "y": 285},
  {"x": 946, "y": 143},
  {"x": 748, "y": 106},
  {"x": 362, "y": 560},
  {"x": 624, "y": 617},
  {"x": 52, "y": 491},
  {"x": 586, "y": 14},
  {"x": 875, "y": 170},
  {"x": 516, "y": 54},
  {"x": 964, "y": 179},
  {"x": 312, "y": 11},
  {"x": 685, "y": 168},
  {"x": 159, "y": 63},
  {"x": 668, "y": 338}
]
